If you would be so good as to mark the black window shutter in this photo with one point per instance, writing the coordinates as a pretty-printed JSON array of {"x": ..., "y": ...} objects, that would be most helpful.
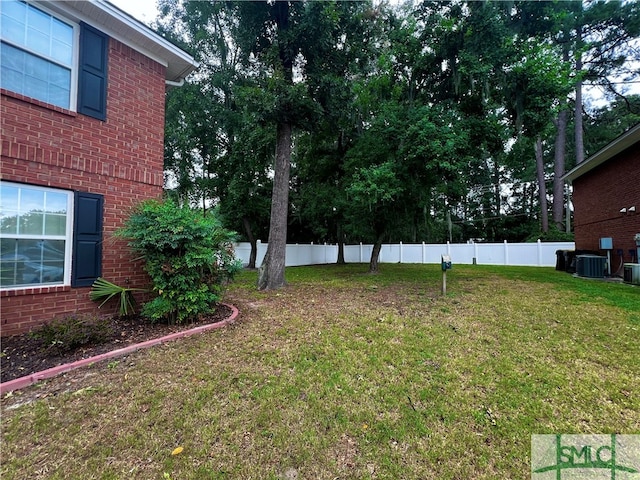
[
  {"x": 92, "y": 74},
  {"x": 86, "y": 263}
]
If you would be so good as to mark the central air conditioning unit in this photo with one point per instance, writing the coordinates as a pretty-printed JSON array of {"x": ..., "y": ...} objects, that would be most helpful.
[
  {"x": 631, "y": 273},
  {"x": 592, "y": 266}
]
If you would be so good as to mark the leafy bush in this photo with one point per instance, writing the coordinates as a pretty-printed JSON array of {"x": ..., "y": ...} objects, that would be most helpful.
[
  {"x": 553, "y": 235},
  {"x": 64, "y": 334},
  {"x": 188, "y": 255}
]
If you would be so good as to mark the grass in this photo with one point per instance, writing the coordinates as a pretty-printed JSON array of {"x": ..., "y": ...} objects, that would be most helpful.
[{"x": 348, "y": 375}]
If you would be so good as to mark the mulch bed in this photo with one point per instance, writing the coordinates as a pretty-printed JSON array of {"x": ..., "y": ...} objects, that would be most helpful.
[{"x": 25, "y": 354}]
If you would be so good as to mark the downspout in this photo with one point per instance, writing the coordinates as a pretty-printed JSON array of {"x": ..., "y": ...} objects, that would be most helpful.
[{"x": 567, "y": 227}]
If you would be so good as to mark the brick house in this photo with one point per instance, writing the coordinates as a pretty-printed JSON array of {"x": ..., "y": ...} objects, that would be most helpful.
[
  {"x": 606, "y": 198},
  {"x": 82, "y": 91}
]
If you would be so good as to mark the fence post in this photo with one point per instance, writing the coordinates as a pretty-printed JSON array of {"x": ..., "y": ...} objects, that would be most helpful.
[
  {"x": 539, "y": 253},
  {"x": 475, "y": 253},
  {"x": 448, "y": 248},
  {"x": 360, "y": 252},
  {"x": 423, "y": 252},
  {"x": 506, "y": 253},
  {"x": 400, "y": 252}
]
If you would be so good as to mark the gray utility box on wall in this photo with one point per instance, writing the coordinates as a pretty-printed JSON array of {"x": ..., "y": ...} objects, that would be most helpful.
[
  {"x": 592, "y": 266},
  {"x": 606, "y": 243}
]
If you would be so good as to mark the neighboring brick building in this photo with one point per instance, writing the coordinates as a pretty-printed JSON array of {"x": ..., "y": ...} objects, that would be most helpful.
[
  {"x": 606, "y": 198},
  {"x": 82, "y": 125}
]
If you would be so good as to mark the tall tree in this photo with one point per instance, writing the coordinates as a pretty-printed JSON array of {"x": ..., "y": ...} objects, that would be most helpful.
[
  {"x": 200, "y": 119},
  {"x": 496, "y": 74},
  {"x": 606, "y": 52},
  {"x": 271, "y": 25},
  {"x": 340, "y": 58},
  {"x": 388, "y": 123},
  {"x": 272, "y": 35},
  {"x": 542, "y": 191},
  {"x": 606, "y": 123},
  {"x": 596, "y": 39}
]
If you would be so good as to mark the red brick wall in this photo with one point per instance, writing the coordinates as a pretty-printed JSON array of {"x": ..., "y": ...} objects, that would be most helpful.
[
  {"x": 598, "y": 197},
  {"x": 121, "y": 159}
]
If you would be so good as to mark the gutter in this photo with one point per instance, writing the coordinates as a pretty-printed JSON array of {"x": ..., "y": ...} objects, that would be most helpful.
[{"x": 171, "y": 83}]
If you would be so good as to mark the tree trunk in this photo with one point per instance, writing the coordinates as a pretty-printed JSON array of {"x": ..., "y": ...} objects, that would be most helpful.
[
  {"x": 252, "y": 240},
  {"x": 375, "y": 254},
  {"x": 542, "y": 189},
  {"x": 340, "y": 260},
  {"x": 579, "y": 134},
  {"x": 558, "y": 170},
  {"x": 497, "y": 182},
  {"x": 579, "y": 129},
  {"x": 271, "y": 273}
]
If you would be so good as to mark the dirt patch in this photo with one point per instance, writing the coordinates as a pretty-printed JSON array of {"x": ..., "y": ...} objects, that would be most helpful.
[
  {"x": 346, "y": 453},
  {"x": 26, "y": 354}
]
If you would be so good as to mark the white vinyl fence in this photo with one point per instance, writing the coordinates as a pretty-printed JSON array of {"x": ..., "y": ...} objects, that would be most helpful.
[{"x": 538, "y": 254}]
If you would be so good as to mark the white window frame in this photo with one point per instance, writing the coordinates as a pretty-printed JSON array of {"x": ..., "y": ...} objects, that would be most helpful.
[
  {"x": 68, "y": 237},
  {"x": 73, "y": 90}
]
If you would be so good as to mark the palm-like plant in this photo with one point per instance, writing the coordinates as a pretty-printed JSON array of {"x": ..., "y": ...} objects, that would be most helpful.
[{"x": 104, "y": 290}]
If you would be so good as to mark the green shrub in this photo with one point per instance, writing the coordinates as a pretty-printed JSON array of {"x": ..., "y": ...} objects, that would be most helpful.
[
  {"x": 553, "y": 235},
  {"x": 67, "y": 333},
  {"x": 188, "y": 255}
]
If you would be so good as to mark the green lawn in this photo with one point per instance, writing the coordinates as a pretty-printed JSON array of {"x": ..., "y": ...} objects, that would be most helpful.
[{"x": 348, "y": 375}]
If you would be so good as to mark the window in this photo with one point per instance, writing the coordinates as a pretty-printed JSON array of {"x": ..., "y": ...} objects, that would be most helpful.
[
  {"x": 49, "y": 236},
  {"x": 51, "y": 60},
  {"x": 37, "y": 54},
  {"x": 35, "y": 235}
]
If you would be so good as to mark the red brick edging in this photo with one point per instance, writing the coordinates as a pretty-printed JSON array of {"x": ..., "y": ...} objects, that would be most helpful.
[{"x": 27, "y": 380}]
